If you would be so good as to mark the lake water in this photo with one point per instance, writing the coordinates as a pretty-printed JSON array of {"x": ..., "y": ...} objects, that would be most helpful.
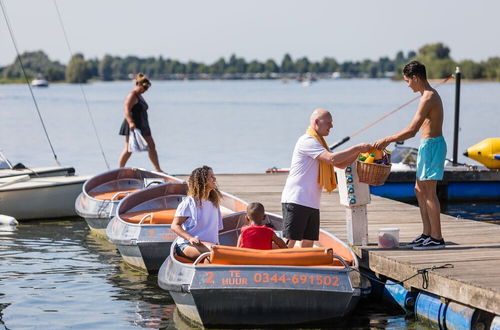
[
  {"x": 56, "y": 275},
  {"x": 233, "y": 126}
]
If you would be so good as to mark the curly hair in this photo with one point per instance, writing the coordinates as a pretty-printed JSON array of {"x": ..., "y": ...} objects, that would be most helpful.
[{"x": 197, "y": 186}]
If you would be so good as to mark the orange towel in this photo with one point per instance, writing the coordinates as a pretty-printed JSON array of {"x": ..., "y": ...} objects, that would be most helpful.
[{"x": 326, "y": 176}]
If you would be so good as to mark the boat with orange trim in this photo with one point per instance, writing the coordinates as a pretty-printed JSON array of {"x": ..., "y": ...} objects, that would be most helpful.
[
  {"x": 231, "y": 286},
  {"x": 101, "y": 194},
  {"x": 141, "y": 228}
]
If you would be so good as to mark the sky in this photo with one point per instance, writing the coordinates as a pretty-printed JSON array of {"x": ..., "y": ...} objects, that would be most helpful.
[{"x": 204, "y": 30}]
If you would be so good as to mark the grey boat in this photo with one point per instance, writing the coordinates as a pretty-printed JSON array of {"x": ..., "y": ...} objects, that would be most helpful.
[
  {"x": 253, "y": 288},
  {"x": 101, "y": 194},
  {"x": 141, "y": 228}
]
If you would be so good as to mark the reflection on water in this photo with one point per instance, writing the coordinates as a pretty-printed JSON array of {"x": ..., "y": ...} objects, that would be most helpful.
[
  {"x": 55, "y": 275},
  {"x": 486, "y": 212}
]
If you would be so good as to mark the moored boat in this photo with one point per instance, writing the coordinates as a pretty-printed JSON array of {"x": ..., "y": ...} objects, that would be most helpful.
[
  {"x": 25, "y": 198},
  {"x": 246, "y": 287},
  {"x": 38, "y": 192},
  {"x": 101, "y": 194},
  {"x": 141, "y": 228}
]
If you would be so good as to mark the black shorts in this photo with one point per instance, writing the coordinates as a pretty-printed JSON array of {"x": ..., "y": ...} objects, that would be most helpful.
[{"x": 300, "y": 222}]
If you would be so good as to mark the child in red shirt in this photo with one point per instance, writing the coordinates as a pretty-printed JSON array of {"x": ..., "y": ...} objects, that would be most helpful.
[{"x": 257, "y": 235}]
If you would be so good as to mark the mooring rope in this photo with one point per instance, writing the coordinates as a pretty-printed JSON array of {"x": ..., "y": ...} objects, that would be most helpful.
[
  {"x": 347, "y": 138},
  {"x": 81, "y": 87},
  {"x": 4, "y": 11},
  {"x": 421, "y": 271}
]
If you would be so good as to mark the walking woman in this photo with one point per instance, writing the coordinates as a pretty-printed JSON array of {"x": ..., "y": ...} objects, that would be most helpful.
[
  {"x": 198, "y": 218},
  {"x": 136, "y": 116}
]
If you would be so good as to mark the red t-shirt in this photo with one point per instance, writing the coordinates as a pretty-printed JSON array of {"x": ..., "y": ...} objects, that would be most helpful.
[{"x": 257, "y": 237}]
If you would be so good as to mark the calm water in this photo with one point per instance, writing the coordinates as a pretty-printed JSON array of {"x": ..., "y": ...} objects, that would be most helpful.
[
  {"x": 56, "y": 275},
  {"x": 234, "y": 126}
]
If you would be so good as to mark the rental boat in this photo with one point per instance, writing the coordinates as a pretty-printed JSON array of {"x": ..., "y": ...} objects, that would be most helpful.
[
  {"x": 141, "y": 228},
  {"x": 231, "y": 286},
  {"x": 101, "y": 194}
]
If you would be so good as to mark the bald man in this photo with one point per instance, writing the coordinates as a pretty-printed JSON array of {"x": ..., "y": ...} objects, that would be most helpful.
[{"x": 302, "y": 193}]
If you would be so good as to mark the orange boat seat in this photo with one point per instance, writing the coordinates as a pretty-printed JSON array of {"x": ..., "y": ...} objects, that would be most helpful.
[
  {"x": 229, "y": 255},
  {"x": 154, "y": 217},
  {"x": 107, "y": 195}
]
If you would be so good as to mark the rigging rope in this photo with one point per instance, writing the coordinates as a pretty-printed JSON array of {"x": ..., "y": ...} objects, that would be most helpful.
[
  {"x": 347, "y": 138},
  {"x": 81, "y": 87},
  {"x": 4, "y": 11}
]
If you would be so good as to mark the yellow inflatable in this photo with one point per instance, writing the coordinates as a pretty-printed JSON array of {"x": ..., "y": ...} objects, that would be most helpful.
[{"x": 487, "y": 152}]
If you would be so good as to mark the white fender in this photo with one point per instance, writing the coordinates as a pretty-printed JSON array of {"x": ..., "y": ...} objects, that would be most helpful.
[{"x": 7, "y": 220}]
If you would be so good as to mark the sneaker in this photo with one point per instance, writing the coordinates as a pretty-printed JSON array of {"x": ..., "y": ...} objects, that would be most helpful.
[
  {"x": 418, "y": 240},
  {"x": 430, "y": 244}
]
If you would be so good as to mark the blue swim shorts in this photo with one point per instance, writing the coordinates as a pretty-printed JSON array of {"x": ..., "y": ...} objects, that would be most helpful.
[{"x": 430, "y": 159}]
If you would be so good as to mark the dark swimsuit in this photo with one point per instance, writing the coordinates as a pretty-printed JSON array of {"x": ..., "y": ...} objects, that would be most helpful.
[{"x": 140, "y": 118}]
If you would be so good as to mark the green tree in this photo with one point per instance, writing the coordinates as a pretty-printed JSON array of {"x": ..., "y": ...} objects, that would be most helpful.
[
  {"x": 34, "y": 63},
  {"x": 492, "y": 68},
  {"x": 271, "y": 66},
  {"x": 76, "y": 71},
  {"x": 302, "y": 65},
  {"x": 436, "y": 58},
  {"x": 471, "y": 70},
  {"x": 106, "y": 68},
  {"x": 287, "y": 65}
]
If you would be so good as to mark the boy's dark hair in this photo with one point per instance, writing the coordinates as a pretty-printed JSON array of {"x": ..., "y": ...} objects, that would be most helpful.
[
  {"x": 415, "y": 68},
  {"x": 256, "y": 212}
]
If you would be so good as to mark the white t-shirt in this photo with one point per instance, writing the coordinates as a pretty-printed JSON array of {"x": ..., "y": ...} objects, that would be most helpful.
[
  {"x": 205, "y": 223},
  {"x": 302, "y": 185}
]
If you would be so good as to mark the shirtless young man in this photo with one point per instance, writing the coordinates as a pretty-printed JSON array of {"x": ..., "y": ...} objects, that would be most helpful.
[{"x": 431, "y": 154}]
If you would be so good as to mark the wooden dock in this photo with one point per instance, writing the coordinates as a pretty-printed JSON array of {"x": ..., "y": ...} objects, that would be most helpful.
[{"x": 472, "y": 248}]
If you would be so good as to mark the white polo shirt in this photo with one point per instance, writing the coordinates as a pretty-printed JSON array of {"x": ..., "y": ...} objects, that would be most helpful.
[{"x": 302, "y": 185}]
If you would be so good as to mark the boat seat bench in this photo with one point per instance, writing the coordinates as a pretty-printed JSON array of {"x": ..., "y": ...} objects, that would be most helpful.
[
  {"x": 229, "y": 255},
  {"x": 154, "y": 217},
  {"x": 109, "y": 194}
]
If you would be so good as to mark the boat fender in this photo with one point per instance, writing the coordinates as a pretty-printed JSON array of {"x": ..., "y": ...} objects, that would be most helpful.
[{"x": 7, "y": 220}]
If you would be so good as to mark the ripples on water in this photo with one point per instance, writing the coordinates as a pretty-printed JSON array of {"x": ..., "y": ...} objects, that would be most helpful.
[{"x": 56, "y": 275}]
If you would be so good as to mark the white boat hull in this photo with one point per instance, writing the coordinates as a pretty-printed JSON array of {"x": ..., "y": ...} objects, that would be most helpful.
[{"x": 41, "y": 198}]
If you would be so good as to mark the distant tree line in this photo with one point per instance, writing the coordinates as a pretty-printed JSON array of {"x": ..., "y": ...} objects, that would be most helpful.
[{"x": 436, "y": 57}]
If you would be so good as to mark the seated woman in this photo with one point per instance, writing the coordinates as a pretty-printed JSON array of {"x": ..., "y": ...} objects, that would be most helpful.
[
  {"x": 257, "y": 235},
  {"x": 198, "y": 218}
]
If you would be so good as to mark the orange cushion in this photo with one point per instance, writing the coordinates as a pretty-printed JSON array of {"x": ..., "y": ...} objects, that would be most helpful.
[
  {"x": 158, "y": 216},
  {"x": 107, "y": 195},
  {"x": 229, "y": 255}
]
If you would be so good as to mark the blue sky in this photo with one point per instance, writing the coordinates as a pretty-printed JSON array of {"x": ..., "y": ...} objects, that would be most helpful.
[{"x": 258, "y": 29}]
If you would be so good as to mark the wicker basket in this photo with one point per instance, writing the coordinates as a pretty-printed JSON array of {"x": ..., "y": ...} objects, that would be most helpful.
[{"x": 373, "y": 174}]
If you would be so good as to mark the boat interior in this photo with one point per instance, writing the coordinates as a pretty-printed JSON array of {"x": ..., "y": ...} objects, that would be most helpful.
[
  {"x": 154, "y": 205},
  {"x": 328, "y": 251},
  {"x": 117, "y": 184},
  {"x": 157, "y": 205}
]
